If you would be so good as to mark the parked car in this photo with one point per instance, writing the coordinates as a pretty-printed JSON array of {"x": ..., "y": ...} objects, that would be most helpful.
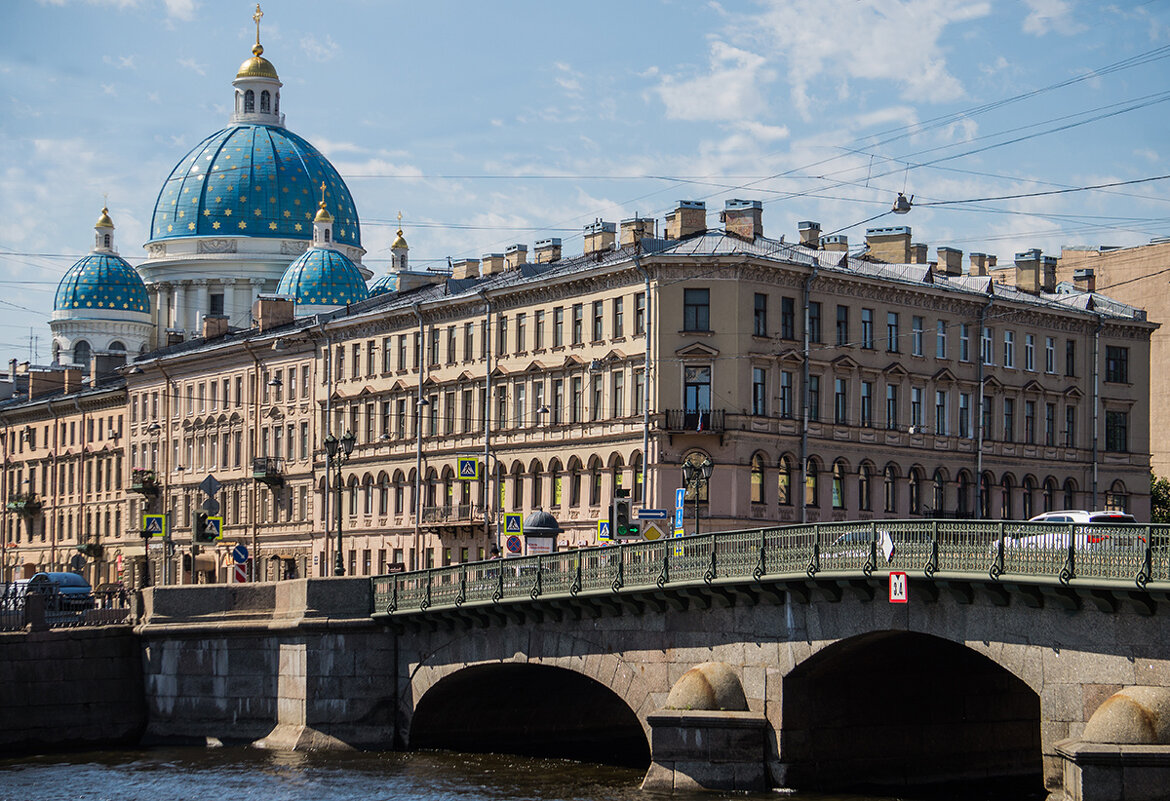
[{"x": 65, "y": 592}]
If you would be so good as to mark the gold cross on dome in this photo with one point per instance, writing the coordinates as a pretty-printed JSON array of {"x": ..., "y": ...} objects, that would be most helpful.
[
  {"x": 256, "y": 18},
  {"x": 322, "y": 194}
]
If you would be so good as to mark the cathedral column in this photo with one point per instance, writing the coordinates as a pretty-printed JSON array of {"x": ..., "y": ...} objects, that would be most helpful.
[
  {"x": 201, "y": 306},
  {"x": 179, "y": 320},
  {"x": 229, "y": 299}
]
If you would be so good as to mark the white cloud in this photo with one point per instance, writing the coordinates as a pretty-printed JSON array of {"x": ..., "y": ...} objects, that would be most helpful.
[
  {"x": 181, "y": 9},
  {"x": 1051, "y": 15},
  {"x": 765, "y": 133},
  {"x": 108, "y": 88},
  {"x": 192, "y": 65},
  {"x": 732, "y": 90},
  {"x": 121, "y": 62},
  {"x": 176, "y": 9},
  {"x": 1148, "y": 154},
  {"x": 318, "y": 50}
]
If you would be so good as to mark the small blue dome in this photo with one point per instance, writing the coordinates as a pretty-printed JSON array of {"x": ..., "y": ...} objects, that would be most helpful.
[
  {"x": 102, "y": 281},
  {"x": 255, "y": 181},
  {"x": 385, "y": 284},
  {"x": 323, "y": 277}
]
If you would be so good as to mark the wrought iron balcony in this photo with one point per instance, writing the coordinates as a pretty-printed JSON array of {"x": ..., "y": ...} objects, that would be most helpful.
[
  {"x": 268, "y": 470},
  {"x": 694, "y": 421},
  {"x": 143, "y": 481},
  {"x": 451, "y": 515},
  {"x": 27, "y": 504}
]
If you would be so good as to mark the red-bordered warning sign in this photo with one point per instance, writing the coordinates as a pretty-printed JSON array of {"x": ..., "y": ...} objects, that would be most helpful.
[{"x": 899, "y": 588}]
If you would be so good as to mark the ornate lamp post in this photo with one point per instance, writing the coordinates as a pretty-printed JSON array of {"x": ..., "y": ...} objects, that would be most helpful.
[
  {"x": 696, "y": 472},
  {"x": 337, "y": 453}
]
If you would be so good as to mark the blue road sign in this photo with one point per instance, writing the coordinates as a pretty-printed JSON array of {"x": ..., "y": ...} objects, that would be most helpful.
[
  {"x": 512, "y": 544},
  {"x": 680, "y": 505},
  {"x": 653, "y": 514},
  {"x": 215, "y": 528},
  {"x": 240, "y": 554},
  {"x": 154, "y": 525},
  {"x": 468, "y": 468},
  {"x": 603, "y": 530},
  {"x": 513, "y": 523}
]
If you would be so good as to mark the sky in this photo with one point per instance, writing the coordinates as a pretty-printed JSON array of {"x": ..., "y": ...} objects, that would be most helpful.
[{"x": 487, "y": 124}]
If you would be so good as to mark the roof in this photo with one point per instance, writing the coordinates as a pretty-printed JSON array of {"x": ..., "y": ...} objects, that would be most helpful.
[
  {"x": 101, "y": 281},
  {"x": 323, "y": 277}
]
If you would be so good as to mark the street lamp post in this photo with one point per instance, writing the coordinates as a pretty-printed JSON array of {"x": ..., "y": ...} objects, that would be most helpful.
[
  {"x": 696, "y": 472},
  {"x": 338, "y": 452}
]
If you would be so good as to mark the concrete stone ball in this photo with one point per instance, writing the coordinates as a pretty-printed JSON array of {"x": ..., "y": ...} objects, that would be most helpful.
[
  {"x": 1136, "y": 715},
  {"x": 710, "y": 686}
]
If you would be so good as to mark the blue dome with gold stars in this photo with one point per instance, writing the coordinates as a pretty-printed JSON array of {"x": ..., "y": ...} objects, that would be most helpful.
[
  {"x": 323, "y": 277},
  {"x": 255, "y": 181},
  {"x": 385, "y": 283},
  {"x": 102, "y": 281}
]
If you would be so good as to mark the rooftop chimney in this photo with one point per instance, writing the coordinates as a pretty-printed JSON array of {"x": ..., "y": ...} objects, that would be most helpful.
[
  {"x": 43, "y": 382},
  {"x": 810, "y": 233},
  {"x": 1028, "y": 271},
  {"x": 515, "y": 255},
  {"x": 215, "y": 326},
  {"x": 838, "y": 243},
  {"x": 174, "y": 336},
  {"x": 548, "y": 250},
  {"x": 1048, "y": 274},
  {"x": 73, "y": 380},
  {"x": 742, "y": 218},
  {"x": 492, "y": 263},
  {"x": 891, "y": 245},
  {"x": 272, "y": 311},
  {"x": 918, "y": 253},
  {"x": 1085, "y": 279},
  {"x": 465, "y": 268},
  {"x": 978, "y": 264},
  {"x": 951, "y": 261},
  {"x": 104, "y": 365},
  {"x": 688, "y": 218},
  {"x": 636, "y": 228},
  {"x": 599, "y": 237}
]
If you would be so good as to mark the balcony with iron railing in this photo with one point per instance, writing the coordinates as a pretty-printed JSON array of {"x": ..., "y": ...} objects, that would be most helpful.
[
  {"x": 144, "y": 481},
  {"x": 460, "y": 514},
  {"x": 693, "y": 421},
  {"x": 268, "y": 470},
  {"x": 25, "y": 503}
]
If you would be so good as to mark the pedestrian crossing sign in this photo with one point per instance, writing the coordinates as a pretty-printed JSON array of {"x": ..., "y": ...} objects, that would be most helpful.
[
  {"x": 468, "y": 468},
  {"x": 154, "y": 525},
  {"x": 513, "y": 523},
  {"x": 214, "y": 529},
  {"x": 603, "y": 531}
]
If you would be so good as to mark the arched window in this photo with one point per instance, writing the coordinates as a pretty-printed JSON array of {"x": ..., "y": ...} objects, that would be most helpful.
[
  {"x": 839, "y": 470},
  {"x": 865, "y": 487},
  {"x": 537, "y": 472},
  {"x": 890, "y": 485},
  {"x": 276, "y": 105},
  {"x": 265, "y": 100},
  {"x": 757, "y": 479},
  {"x": 1117, "y": 498},
  {"x": 915, "y": 489},
  {"x": 1026, "y": 491},
  {"x": 326, "y": 234},
  {"x": 554, "y": 472},
  {"x": 399, "y": 493},
  {"x": 595, "y": 483},
  {"x": 383, "y": 494},
  {"x": 811, "y": 478},
  {"x": 1049, "y": 497},
  {"x": 639, "y": 477},
  {"x": 353, "y": 496},
  {"x": 939, "y": 501},
  {"x": 368, "y": 495},
  {"x": 117, "y": 345},
  {"x": 574, "y": 482},
  {"x": 107, "y": 240},
  {"x": 249, "y": 101},
  {"x": 82, "y": 353},
  {"x": 1070, "y": 494},
  {"x": 430, "y": 486},
  {"x": 1006, "y": 505},
  {"x": 517, "y": 486},
  {"x": 784, "y": 482}
]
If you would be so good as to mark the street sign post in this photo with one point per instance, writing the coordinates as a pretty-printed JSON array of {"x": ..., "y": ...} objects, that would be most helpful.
[
  {"x": 154, "y": 526},
  {"x": 653, "y": 514},
  {"x": 680, "y": 505},
  {"x": 513, "y": 523},
  {"x": 653, "y": 530},
  {"x": 210, "y": 485},
  {"x": 899, "y": 588},
  {"x": 468, "y": 468},
  {"x": 603, "y": 531},
  {"x": 513, "y": 545},
  {"x": 240, "y": 554}
]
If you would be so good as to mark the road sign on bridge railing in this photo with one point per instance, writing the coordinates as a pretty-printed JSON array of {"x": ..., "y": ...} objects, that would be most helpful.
[{"x": 1061, "y": 559}]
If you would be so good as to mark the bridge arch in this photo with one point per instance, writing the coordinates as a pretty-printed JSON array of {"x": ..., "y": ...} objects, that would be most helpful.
[{"x": 896, "y": 708}]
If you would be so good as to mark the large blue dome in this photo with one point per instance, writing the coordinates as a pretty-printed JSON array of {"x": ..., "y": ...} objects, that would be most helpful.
[
  {"x": 323, "y": 277},
  {"x": 252, "y": 180},
  {"x": 102, "y": 281}
]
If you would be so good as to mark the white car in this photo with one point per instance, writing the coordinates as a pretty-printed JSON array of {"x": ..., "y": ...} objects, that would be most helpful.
[
  {"x": 1085, "y": 535},
  {"x": 1081, "y": 516}
]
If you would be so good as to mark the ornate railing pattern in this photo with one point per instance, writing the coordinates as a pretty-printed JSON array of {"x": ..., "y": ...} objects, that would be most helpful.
[{"x": 1058, "y": 553}]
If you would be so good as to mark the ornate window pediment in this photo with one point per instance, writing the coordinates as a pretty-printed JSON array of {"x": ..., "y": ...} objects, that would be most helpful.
[
  {"x": 895, "y": 368},
  {"x": 944, "y": 375},
  {"x": 844, "y": 363},
  {"x": 697, "y": 350}
]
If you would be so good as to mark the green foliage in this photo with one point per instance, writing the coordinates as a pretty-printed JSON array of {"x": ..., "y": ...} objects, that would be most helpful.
[{"x": 1159, "y": 499}]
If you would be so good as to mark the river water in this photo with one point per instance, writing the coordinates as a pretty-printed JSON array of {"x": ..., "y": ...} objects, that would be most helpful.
[{"x": 246, "y": 774}]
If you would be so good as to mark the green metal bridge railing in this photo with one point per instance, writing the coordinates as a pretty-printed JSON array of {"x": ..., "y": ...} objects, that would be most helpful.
[{"x": 1073, "y": 555}]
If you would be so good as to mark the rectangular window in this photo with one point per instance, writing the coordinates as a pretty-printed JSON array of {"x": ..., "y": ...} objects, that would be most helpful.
[
  {"x": 558, "y": 399},
  {"x": 841, "y": 401},
  {"x": 916, "y": 345},
  {"x": 760, "y": 315},
  {"x": 355, "y": 359},
  {"x": 468, "y": 341},
  {"x": 1116, "y": 432},
  {"x": 1070, "y": 426},
  {"x": 304, "y": 444},
  {"x": 814, "y": 398},
  {"x": 639, "y": 391},
  {"x": 987, "y": 346},
  {"x": 576, "y": 410},
  {"x": 578, "y": 324},
  {"x": 468, "y": 404},
  {"x": 759, "y": 390},
  {"x": 1050, "y": 354},
  {"x": 1030, "y": 422},
  {"x": 1009, "y": 349},
  {"x": 696, "y": 310},
  {"x": 787, "y": 318},
  {"x": 1030, "y": 352},
  {"x": 964, "y": 342},
  {"x": 538, "y": 331},
  {"x": 1116, "y": 364},
  {"x": 916, "y": 407},
  {"x": 618, "y": 394},
  {"x": 595, "y": 398},
  {"x": 387, "y": 355},
  {"x": 619, "y": 317},
  {"x": 639, "y": 313},
  {"x": 988, "y": 414},
  {"x": 842, "y": 326},
  {"x": 521, "y": 334},
  {"x": 892, "y": 407},
  {"x": 814, "y": 321},
  {"x": 940, "y": 413},
  {"x": 1070, "y": 357},
  {"x": 402, "y": 351},
  {"x": 940, "y": 340},
  {"x": 892, "y": 332},
  {"x": 501, "y": 335},
  {"x": 786, "y": 393},
  {"x": 484, "y": 338},
  {"x": 371, "y": 357},
  {"x": 598, "y": 321},
  {"x": 965, "y": 415},
  {"x": 558, "y": 326},
  {"x": 1050, "y": 424},
  {"x": 867, "y": 329},
  {"x": 1009, "y": 420},
  {"x": 867, "y": 404},
  {"x": 450, "y": 344},
  {"x": 433, "y": 356}
]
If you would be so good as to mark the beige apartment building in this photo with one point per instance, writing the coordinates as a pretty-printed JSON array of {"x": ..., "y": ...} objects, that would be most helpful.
[
  {"x": 1134, "y": 275},
  {"x": 65, "y": 505}
]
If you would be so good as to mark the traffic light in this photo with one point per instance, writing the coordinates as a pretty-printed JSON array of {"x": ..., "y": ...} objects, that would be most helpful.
[
  {"x": 199, "y": 530},
  {"x": 621, "y": 517}
]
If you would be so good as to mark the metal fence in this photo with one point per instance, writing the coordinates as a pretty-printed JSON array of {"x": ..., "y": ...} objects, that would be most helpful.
[
  {"x": 44, "y": 604},
  {"x": 1065, "y": 553}
]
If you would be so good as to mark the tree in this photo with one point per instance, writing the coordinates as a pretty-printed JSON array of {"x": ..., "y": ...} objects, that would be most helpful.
[{"x": 1159, "y": 499}]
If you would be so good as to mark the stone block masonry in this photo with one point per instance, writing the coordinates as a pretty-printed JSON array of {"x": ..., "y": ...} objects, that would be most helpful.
[{"x": 70, "y": 688}]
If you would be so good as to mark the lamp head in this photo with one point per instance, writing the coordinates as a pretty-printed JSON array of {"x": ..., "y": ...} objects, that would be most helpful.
[
  {"x": 331, "y": 446},
  {"x": 347, "y": 442}
]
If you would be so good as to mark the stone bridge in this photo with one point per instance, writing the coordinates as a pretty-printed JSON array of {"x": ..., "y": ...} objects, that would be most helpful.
[{"x": 767, "y": 658}]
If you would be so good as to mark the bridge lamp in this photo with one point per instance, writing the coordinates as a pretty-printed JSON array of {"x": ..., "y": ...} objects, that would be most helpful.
[
  {"x": 337, "y": 452},
  {"x": 696, "y": 473}
]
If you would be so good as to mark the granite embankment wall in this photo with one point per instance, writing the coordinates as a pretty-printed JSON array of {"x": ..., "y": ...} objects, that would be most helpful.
[{"x": 70, "y": 688}]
